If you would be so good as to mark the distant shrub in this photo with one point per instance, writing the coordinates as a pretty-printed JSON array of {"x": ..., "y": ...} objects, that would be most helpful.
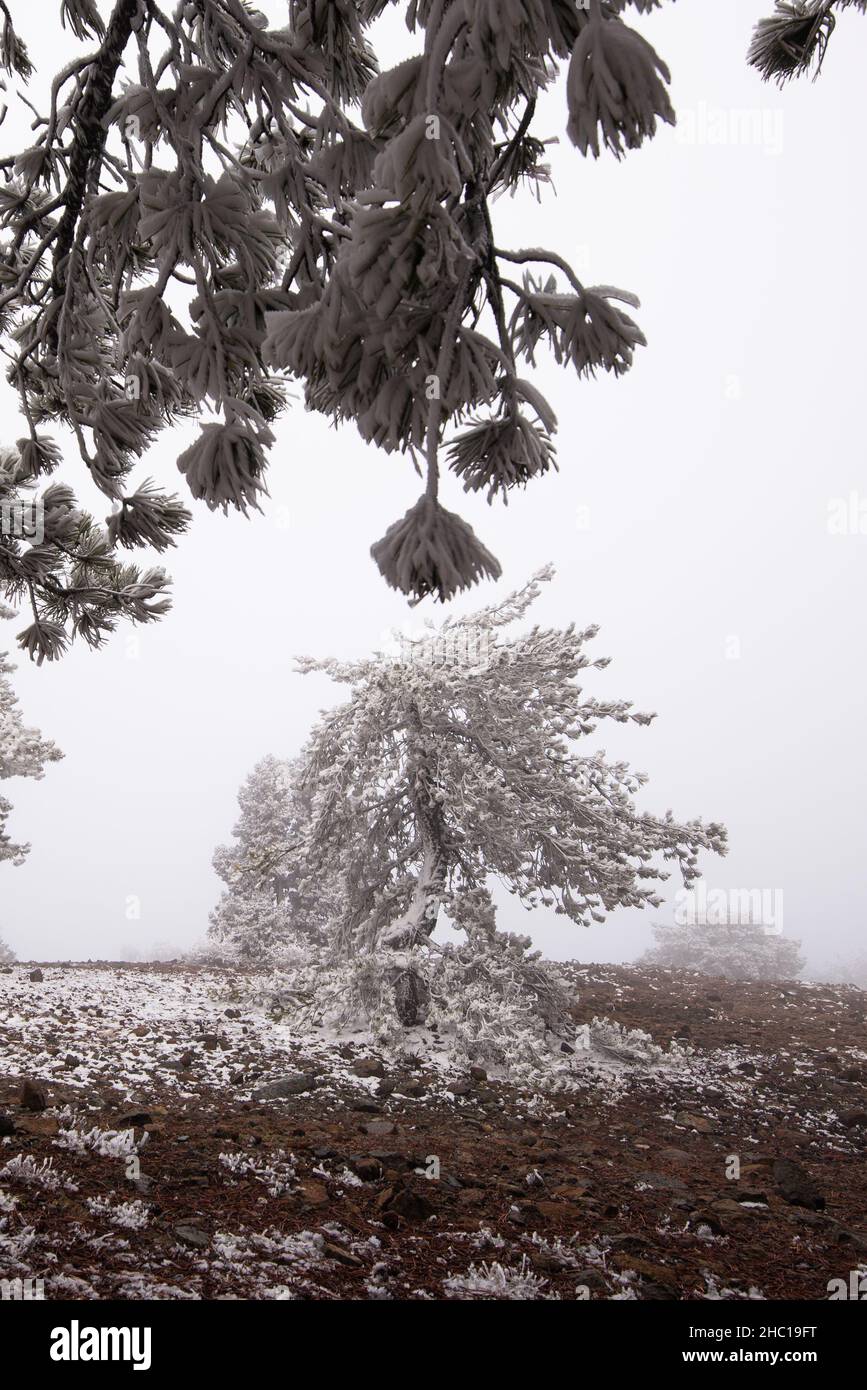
[{"x": 735, "y": 950}]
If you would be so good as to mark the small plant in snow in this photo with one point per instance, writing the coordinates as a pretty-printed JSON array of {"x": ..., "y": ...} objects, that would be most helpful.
[
  {"x": 276, "y": 1173},
  {"x": 24, "y": 1169},
  {"x": 131, "y": 1216},
  {"x": 107, "y": 1143},
  {"x": 497, "y": 1281}
]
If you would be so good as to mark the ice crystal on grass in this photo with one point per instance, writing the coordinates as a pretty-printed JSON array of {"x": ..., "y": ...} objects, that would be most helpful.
[
  {"x": 496, "y": 1281},
  {"x": 131, "y": 1216},
  {"x": 25, "y": 1170}
]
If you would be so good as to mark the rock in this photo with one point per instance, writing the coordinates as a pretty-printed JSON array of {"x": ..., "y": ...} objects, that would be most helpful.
[
  {"x": 658, "y": 1291},
  {"x": 414, "y": 1089},
  {"x": 233, "y": 1013},
  {"x": 459, "y": 1088},
  {"x": 406, "y": 1203},
  {"x": 727, "y": 1206},
  {"x": 853, "y": 1119},
  {"x": 135, "y": 1119},
  {"x": 380, "y": 1127},
  {"x": 36, "y": 976},
  {"x": 314, "y": 1193},
  {"x": 853, "y": 1074},
  {"x": 385, "y": 1089},
  {"x": 630, "y": 1242},
  {"x": 676, "y": 1157},
  {"x": 286, "y": 1086},
  {"x": 592, "y": 1280},
  {"x": 572, "y": 1192},
  {"x": 367, "y": 1107},
  {"x": 697, "y": 1122},
  {"x": 646, "y": 1269},
  {"x": 191, "y": 1235},
  {"x": 368, "y": 1066},
  {"x": 186, "y": 1060},
  {"x": 368, "y": 1169},
  {"x": 747, "y": 1068},
  {"x": 7, "y": 1125},
  {"x": 32, "y": 1097},
  {"x": 478, "y": 1074},
  {"x": 70, "y": 1061},
  {"x": 795, "y": 1185},
  {"x": 711, "y": 1219}
]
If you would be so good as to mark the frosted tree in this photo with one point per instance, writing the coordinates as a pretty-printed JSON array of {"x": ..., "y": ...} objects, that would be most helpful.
[
  {"x": 23, "y": 752},
  {"x": 736, "y": 950},
  {"x": 210, "y": 207},
  {"x": 461, "y": 763},
  {"x": 264, "y": 906},
  {"x": 7, "y": 955},
  {"x": 795, "y": 37}
]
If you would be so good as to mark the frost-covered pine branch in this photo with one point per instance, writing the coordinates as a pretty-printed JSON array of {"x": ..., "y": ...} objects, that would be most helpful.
[
  {"x": 795, "y": 37},
  {"x": 212, "y": 207}
]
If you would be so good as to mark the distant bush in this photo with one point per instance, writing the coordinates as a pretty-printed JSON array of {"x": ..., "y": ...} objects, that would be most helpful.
[
  {"x": 735, "y": 950},
  {"x": 7, "y": 955}
]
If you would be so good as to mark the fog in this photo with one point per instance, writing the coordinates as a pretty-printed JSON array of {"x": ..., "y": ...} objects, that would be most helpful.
[{"x": 709, "y": 513}]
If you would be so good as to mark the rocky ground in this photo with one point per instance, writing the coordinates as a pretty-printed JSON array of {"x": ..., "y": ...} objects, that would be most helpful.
[{"x": 159, "y": 1138}]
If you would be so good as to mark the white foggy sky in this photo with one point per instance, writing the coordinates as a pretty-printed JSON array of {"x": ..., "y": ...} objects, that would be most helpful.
[{"x": 708, "y": 473}]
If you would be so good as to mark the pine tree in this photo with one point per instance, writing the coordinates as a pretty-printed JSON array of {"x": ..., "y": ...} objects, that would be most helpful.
[
  {"x": 460, "y": 764},
  {"x": 265, "y": 907},
  {"x": 737, "y": 950},
  {"x": 201, "y": 216},
  {"x": 23, "y": 753}
]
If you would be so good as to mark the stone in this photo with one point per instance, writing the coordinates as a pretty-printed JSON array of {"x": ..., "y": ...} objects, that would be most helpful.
[
  {"x": 7, "y": 1125},
  {"x": 676, "y": 1157},
  {"x": 795, "y": 1185},
  {"x": 380, "y": 1127},
  {"x": 294, "y": 1085},
  {"x": 368, "y": 1066},
  {"x": 406, "y": 1203},
  {"x": 191, "y": 1235},
  {"x": 314, "y": 1193},
  {"x": 853, "y": 1119},
  {"x": 32, "y": 1096},
  {"x": 36, "y": 976},
  {"x": 697, "y": 1122}
]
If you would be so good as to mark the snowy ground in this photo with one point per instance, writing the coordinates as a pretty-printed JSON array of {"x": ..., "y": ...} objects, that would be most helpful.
[{"x": 151, "y": 1157}]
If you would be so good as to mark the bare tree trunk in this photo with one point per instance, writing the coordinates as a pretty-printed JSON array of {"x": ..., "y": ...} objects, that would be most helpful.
[{"x": 418, "y": 922}]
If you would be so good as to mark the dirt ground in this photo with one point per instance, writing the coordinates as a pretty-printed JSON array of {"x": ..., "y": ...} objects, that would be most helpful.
[{"x": 138, "y": 1159}]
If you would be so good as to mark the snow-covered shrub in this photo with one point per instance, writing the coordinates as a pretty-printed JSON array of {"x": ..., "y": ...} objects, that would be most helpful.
[
  {"x": 735, "y": 950},
  {"x": 7, "y": 955}
]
